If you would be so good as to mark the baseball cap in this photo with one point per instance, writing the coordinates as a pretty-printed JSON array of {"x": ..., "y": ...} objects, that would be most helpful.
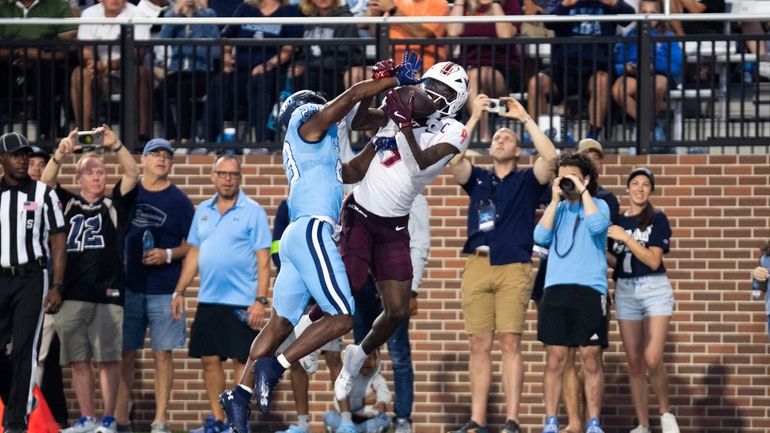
[
  {"x": 587, "y": 144},
  {"x": 13, "y": 142},
  {"x": 40, "y": 153},
  {"x": 641, "y": 171},
  {"x": 158, "y": 144}
]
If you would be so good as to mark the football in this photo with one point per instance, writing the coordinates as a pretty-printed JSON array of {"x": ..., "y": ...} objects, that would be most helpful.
[{"x": 422, "y": 105}]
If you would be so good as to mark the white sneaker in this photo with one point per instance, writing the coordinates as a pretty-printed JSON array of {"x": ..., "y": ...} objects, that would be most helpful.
[
  {"x": 641, "y": 429},
  {"x": 403, "y": 426},
  {"x": 351, "y": 366},
  {"x": 107, "y": 425},
  {"x": 84, "y": 424},
  {"x": 159, "y": 427},
  {"x": 668, "y": 423}
]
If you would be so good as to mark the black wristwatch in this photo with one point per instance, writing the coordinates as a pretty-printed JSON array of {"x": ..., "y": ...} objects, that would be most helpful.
[{"x": 262, "y": 300}]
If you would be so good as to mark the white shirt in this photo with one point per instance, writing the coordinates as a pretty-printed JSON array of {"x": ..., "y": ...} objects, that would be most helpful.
[
  {"x": 394, "y": 179},
  {"x": 109, "y": 32}
]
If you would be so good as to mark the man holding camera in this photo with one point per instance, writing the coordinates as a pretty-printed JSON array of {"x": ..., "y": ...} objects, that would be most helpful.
[
  {"x": 496, "y": 283},
  {"x": 90, "y": 322},
  {"x": 573, "y": 310}
]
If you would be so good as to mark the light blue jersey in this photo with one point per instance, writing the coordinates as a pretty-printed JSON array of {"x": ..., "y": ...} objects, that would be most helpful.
[
  {"x": 314, "y": 170},
  {"x": 311, "y": 265}
]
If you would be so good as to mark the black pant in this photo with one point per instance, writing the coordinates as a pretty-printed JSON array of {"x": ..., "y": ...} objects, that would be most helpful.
[{"x": 21, "y": 301}]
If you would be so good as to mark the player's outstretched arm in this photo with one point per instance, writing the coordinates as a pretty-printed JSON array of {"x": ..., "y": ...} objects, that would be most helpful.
[
  {"x": 385, "y": 75},
  {"x": 354, "y": 170},
  {"x": 315, "y": 128}
]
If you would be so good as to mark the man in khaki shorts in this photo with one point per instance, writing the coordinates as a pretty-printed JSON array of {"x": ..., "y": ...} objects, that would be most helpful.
[
  {"x": 496, "y": 282},
  {"x": 90, "y": 321}
]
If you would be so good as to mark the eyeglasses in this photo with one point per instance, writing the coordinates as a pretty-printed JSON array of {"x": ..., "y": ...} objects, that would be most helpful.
[
  {"x": 160, "y": 154},
  {"x": 228, "y": 174}
]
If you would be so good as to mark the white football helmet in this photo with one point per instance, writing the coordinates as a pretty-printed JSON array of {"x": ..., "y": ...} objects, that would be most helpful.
[{"x": 453, "y": 76}]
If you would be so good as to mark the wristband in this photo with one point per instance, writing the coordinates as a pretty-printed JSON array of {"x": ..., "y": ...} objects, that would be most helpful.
[
  {"x": 581, "y": 194},
  {"x": 168, "y": 255},
  {"x": 175, "y": 294},
  {"x": 57, "y": 286},
  {"x": 114, "y": 149},
  {"x": 525, "y": 121},
  {"x": 56, "y": 161},
  {"x": 393, "y": 11},
  {"x": 414, "y": 293}
]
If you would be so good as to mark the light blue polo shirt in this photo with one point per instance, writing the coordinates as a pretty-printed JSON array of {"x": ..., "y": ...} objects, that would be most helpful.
[{"x": 228, "y": 246}]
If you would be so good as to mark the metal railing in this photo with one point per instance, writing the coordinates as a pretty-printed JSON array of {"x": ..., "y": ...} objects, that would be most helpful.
[{"x": 727, "y": 106}]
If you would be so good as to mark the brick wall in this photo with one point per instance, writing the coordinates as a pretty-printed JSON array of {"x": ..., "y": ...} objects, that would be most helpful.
[{"x": 717, "y": 355}]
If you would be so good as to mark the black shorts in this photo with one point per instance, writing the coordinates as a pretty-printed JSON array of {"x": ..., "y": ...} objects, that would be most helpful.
[
  {"x": 216, "y": 330},
  {"x": 572, "y": 315},
  {"x": 569, "y": 81}
]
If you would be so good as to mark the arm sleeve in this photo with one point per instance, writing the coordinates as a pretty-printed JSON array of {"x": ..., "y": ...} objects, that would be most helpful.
[
  {"x": 53, "y": 212},
  {"x": 419, "y": 243},
  {"x": 661, "y": 232},
  {"x": 192, "y": 235},
  {"x": 380, "y": 386},
  {"x": 598, "y": 222},
  {"x": 261, "y": 233}
]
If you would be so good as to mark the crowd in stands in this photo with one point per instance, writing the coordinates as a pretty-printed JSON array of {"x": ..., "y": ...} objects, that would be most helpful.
[{"x": 195, "y": 91}]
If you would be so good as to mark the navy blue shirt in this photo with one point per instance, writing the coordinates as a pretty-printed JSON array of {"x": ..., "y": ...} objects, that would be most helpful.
[
  {"x": 516, "y": 197},
  {"x": 168, "y": 214},
  {"x": 657, "y": 234},
  {"x": 246, "y": 57}
]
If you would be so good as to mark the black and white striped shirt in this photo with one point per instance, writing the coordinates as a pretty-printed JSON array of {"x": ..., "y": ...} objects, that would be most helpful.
[{"x": 28, "y": 213}]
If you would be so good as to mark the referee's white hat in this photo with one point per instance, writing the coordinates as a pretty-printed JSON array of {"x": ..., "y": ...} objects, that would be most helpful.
[{"x": 13, "y": 142}]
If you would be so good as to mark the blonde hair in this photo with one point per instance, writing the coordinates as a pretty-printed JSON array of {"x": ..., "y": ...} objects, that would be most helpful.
[
  {"x": 472, "y": 7},
  {"x": 80, "y": 164},
  {"x": 180, "y": 7},
  {"x": 309, "y": 9}
]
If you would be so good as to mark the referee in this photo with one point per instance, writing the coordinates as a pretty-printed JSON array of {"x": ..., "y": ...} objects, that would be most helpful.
[{"x": 29, "y": 213}]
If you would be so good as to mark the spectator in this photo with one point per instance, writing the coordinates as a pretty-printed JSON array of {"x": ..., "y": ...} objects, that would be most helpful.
[
  {"x": 23, "y": 274},
  {"x": 644, "y": 299},
  {"x": 757, "y": 47},
  {"x": 573, "y": 311},
  {"x": 430, "y": 54},
  {"x": 311, "y": 263},
  {"x": 369, "y": 307},
  {"x": 320, "y": 67},
  {"x": 90, "y": 322},
  {"x": 571, "y": 383},
  {"x": 48, "y": 375},
  {"x": 535, "y": 29},
  {"x": 486, "y": 72},
  {"x": 701, "y": 72},
  {"x": 580, "y": 66},
  {"x": 38, "y": 158},
  {"x": 309, "y": 364},
  {"x": 760, "y": 274},
  {"x": 250, "y": 75},
  {"x": 697, "y": 7},
  {"x": 237, "y": 281},
  {"x": 36, "y": 70},
  {"x": 496, "y": 284},
  {"x": 185, "y": 79},
  {"x": 165, "y": 212},
  {"x": 667, "y": 68},
  {"x": 368, "y": 400},
  {"x": 100, "y": 64}
]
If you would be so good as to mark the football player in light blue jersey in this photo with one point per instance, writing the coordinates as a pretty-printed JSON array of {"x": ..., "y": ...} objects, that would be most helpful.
[{"x": 310, "y": 262}]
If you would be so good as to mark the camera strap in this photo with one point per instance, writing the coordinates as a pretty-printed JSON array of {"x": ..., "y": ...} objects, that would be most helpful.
[{"x": 572, "y": 242}]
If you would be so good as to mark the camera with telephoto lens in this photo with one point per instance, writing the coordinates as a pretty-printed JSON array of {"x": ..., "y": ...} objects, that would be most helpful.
[{"x": 567, "y": 185}]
